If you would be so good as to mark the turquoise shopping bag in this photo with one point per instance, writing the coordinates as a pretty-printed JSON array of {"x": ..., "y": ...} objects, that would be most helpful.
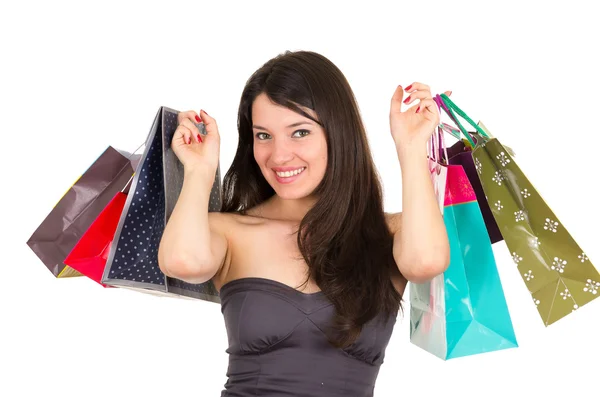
[{"x": 463, "y": 311}]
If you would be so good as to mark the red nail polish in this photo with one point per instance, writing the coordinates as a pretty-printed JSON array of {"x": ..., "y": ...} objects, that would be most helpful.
[
  {"x": 189, "y": 140},
  {"x": 407, "y": 99},
  {"x": 409, "y": 87},
  {"x": 418, "y": 109},
  {"x": 198, "y": 119},
  {"x": 199, "y": 138}
]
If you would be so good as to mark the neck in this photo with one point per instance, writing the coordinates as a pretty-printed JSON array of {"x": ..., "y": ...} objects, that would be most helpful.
[{"x": 289, "y": 209}]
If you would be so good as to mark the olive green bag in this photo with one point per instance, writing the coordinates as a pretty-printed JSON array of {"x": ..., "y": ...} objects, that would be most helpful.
[{"x": 558, "y": 274}]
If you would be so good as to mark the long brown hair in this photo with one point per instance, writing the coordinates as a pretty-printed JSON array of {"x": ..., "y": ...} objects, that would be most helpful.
[{"x": 344, "y": 237}]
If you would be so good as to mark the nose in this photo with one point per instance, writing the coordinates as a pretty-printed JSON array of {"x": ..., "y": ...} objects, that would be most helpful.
[{"x": 281, "y": 153}]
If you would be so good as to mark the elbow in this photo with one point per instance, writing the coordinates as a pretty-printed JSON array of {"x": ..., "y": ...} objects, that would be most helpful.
[
  {"x": 184, "y": 269},
  {"x": 422, "y": 268}
]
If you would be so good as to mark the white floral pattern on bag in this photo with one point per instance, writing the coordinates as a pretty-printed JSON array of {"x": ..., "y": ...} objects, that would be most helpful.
[
  {"x": 559, "y": 265},
  {"x": 551, "y": 225},
  {"x": 519, "y": 215},
  {"x": 498, "y": 177},
  {"x": 516, "y": 258},
  {"x": 591, "y": 286},
  {"x": 503, "y": 159}
]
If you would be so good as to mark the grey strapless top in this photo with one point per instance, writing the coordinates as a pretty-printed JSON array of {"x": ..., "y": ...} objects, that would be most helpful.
[{"x": 277, "y": 347}]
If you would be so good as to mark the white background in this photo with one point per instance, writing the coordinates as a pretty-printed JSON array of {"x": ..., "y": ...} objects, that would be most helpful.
[{"x": 76, "y": 77}]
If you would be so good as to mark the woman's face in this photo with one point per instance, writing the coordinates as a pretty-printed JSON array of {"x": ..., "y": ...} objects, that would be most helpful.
[{"x": 290, "y": 149}]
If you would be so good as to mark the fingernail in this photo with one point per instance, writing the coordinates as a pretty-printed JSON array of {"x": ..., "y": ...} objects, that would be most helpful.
[
  {"x": 198, "y": 119},
  {"x": 199, "y": 138},
  {"x": 407, "y": 99},
  {"x": 205, "y": 112},
  {"x": 189, "y": 140},
  {"x": 418, "y": 109},
  {"x": 409, "y": 87}
]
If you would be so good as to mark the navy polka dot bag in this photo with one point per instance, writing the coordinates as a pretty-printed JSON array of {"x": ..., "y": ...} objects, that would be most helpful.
[{"x": 157, "y": 182}]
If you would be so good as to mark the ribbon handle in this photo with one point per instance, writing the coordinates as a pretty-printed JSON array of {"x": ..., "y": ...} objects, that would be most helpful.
[{"x": 451, "y": 107}]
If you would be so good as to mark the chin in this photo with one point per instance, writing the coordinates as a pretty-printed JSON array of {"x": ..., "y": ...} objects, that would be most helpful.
[{"x": 291, "y": 194}]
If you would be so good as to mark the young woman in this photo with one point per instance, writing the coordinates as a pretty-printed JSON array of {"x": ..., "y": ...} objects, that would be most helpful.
[{"x": 309, "y": 267}]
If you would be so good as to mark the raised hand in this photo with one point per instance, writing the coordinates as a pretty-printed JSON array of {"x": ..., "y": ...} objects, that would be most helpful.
[
  {"x": 193, "y": 149},
  {"x": 415, "y": 125}
]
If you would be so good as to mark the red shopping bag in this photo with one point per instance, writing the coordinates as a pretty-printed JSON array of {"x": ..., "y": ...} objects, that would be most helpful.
[{"x": 89, "y": 255}]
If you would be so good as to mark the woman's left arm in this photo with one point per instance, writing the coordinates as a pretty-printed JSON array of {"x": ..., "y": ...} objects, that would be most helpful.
[{"x": 421, "y": 247}]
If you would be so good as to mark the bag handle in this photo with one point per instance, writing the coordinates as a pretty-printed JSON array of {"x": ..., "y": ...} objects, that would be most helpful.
[
  {"x": 446, "y": 127},
  {"x": 452, "y": 116},
  {"x": 437, "y": 144},
  {"x": 451, "y": 107},
  {"x": 127, "y": 185},
  {"x": 455, "y": 132}
]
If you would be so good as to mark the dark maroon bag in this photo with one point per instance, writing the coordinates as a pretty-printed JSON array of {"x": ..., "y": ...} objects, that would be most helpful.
[{"x": 74, "y": 213}]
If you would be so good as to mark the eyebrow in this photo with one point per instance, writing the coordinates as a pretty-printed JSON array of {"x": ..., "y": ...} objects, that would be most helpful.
[{"x": 289, "y": 126}]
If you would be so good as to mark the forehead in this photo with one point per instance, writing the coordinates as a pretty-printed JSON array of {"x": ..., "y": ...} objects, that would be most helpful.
[{"x": 271, "y": 115}]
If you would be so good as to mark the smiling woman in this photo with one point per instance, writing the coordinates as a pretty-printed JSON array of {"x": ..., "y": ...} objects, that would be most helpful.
[
  {"x": 303, "y": 205},
  {"x": 283, "y": 152}
]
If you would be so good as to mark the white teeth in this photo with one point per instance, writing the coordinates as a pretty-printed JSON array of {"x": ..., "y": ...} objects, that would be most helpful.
[{"x": 288, "y": 174}]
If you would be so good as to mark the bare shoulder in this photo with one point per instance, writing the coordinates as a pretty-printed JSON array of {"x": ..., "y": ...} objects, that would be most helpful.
[
  {"x": 227, "y": 221},
  {"x": 393, "y": 221},
  {"x": 230, "y": 225},
  {"x": 220, "y": 221}
]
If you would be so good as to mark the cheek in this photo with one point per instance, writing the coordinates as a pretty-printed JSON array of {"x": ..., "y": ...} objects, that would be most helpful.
[
  {"x": 322, "y": 154},
  {"x": 260, "y": 155}
]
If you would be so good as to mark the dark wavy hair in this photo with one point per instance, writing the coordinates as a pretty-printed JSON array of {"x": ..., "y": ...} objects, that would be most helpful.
[{"x": 344, "y": 238}]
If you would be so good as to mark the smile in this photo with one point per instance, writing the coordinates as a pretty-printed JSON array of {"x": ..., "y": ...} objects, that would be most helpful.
[{"x": 288, "y": 174}]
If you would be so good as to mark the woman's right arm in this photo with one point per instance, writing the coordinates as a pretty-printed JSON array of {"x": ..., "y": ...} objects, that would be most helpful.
[{"x": 193, "y": 246}]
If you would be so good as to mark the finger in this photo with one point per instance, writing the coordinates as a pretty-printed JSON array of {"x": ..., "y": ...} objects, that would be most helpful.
[
  {"x": 182, "y": 135},
  {"x": 448, "y": 93},
  {"x": 210, "y": 124},
  {"x": 189, "y": 115},
  {"x": 416, "y": 86},
  {"x": 193, "y": 130},
  {"x": 428, "y": 105},
  {"x": 396, "y": 104},
  {"x": 417, "y": 95}
]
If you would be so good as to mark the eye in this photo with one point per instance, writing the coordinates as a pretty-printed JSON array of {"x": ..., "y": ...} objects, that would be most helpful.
[
  {"x": 262, "y": 136},
  {"x": 301, "y": 132}
]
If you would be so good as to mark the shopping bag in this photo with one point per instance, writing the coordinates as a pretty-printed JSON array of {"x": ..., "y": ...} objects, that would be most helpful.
[
  {"x": 558, "y": 274},
  {"x": 89, "y": 255},
  {"x": 133, "y": 257},
  {"x": 76, "y": 210},
  {"x": 463, "y": 311}
]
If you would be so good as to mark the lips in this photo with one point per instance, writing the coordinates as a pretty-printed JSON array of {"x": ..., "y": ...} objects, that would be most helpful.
[
  {"x": 288, "y": 174},
  {"x": 288, "y": 171}
]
